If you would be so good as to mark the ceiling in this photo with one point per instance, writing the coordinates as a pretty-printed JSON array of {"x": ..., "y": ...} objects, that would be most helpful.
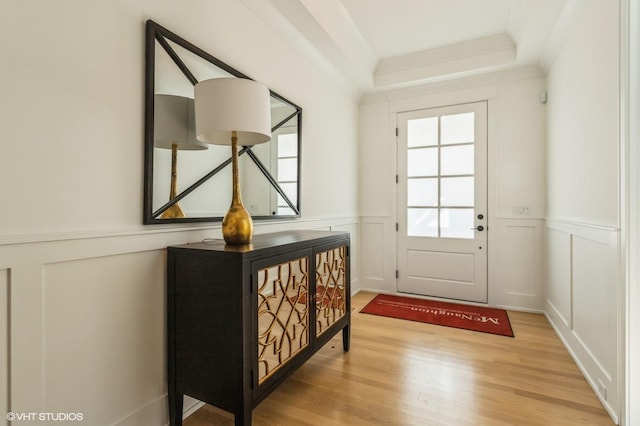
[
  {"x": 381, "y": 44},
  {"x": 399, "y": 27}
]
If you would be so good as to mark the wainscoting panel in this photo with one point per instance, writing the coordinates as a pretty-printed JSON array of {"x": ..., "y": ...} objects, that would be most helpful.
[
  {"x": 559, "y": 274},
  {"x": 82, "y": 321},
  {"x": 582, "y": 302},
  {"x": 594, "y": 300},
  {"x": 516, "y": 273},
  {"x": 4, "y": 344},
  {"x": 378, "y": 256},
  {"x": 108, "y": 328},
  {"x": 373, "y": 266}
]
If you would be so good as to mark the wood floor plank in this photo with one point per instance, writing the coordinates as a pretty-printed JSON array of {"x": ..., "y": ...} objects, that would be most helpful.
[{"x": 408, "y": 373}]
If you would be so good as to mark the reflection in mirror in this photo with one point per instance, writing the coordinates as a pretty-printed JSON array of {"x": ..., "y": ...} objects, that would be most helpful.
[
  {"x": 186, "y": 181},
  {"x": 174, "y": 125}
]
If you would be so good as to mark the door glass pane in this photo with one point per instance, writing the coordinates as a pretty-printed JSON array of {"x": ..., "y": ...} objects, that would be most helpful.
[
  {"x": 440, "y": 176},
  {"x": 457, "y": 128},
  {"x": 456, "y": 191},
  {"x": 422, "y": 132},
  {"x": 288, "y": 145},
  {"x": 287, "y": 169},
  {"x": 422, "y": 162},
  {"x": 422, "y": 222},
  {"x": 457, "y": 160},
  {"x": 422, "y": 192},
  {"x": 456, "y": 223}
]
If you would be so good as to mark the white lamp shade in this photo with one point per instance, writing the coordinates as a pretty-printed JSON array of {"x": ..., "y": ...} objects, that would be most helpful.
[
  {"x": 174, "y": 123},
  {"x": 224, "y": 105}
]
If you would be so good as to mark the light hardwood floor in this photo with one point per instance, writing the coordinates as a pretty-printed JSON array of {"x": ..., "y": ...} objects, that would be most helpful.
[{"x": 406, "y": 373}]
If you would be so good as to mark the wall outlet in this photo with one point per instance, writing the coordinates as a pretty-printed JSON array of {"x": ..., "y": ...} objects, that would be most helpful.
[
  {"x": 602, "y": 390},
  {"x": 520, "y": 210}
]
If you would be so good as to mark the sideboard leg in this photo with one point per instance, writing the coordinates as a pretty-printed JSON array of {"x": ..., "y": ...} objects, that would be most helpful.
[
  {"x": 346, "y": 337},
  {"x": 243, "y": 418},
  {"x": 176, "y": 401}
]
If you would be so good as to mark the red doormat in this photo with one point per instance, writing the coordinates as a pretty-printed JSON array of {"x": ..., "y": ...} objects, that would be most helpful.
[{"x": 476, "y": 318}]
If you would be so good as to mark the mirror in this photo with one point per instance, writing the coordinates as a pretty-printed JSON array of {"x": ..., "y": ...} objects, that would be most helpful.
[{"x": 192, "y": 181}]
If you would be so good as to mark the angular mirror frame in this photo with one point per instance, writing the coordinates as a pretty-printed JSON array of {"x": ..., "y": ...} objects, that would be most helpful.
[{"x": 155, "y": 32}]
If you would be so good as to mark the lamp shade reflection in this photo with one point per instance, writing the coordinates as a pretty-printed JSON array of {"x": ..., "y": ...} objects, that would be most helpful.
[{"x": 174, "y": 129}]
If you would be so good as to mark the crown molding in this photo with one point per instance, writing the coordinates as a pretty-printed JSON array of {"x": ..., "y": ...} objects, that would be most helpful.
[
  {"x": 476, "y": 54},
  {"x": 490, "y": 78}
]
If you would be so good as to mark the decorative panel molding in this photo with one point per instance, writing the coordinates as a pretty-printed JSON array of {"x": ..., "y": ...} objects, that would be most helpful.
[
  {"x": 104, "y": 320},
  {"x": 559, "y": 274},
  {"x": 594, "y": 299},
  {"x": 378, "y": 254},
  {"x": 373, "y": 259},
  {"x": 517, "y": 264},
  {"x": 582, "y": 302}
]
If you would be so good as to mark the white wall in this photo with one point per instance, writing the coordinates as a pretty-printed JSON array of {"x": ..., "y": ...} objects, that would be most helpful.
[
  {"x": 583, "y": 234},
  {"x": 516, "y": 155},
  {"x": 583, "y": 120},
  {"x": 82, "y": 282},
  {"x": 72, "y": 109}
]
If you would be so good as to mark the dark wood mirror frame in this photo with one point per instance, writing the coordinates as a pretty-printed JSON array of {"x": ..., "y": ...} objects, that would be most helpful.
[{"x": 151, "y": 215}]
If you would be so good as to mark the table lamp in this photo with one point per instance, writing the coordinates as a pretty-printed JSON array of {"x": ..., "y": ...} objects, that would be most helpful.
[
  {"x": 174, "y": 129},
  {"x": 230, "y": 111}
]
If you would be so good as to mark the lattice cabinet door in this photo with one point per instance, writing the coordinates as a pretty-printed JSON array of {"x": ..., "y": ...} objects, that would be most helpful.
[
  {"x": 283, "y": 317},
  {"x": 331, "y": 288}
]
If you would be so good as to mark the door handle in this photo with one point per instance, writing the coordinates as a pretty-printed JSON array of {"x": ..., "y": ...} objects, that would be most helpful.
[{"x": 480, "y": 228}]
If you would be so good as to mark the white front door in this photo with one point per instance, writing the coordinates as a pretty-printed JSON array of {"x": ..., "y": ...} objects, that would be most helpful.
[{"x": 442, "y": 202}]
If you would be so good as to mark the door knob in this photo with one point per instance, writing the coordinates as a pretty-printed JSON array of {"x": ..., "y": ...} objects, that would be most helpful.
[{"x": 480, "y": 228}]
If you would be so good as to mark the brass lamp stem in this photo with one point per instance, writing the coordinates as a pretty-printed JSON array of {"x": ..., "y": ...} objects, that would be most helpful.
[
  {"x": 174, "y": 172},
  {"x": 173, "y": 212},
  {"x": 237, "y": 227},
  {"x": 237, "y": 196}
]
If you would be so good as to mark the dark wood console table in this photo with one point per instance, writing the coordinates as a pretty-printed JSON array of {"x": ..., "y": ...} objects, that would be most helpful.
[{"x": 241, "y": 319}]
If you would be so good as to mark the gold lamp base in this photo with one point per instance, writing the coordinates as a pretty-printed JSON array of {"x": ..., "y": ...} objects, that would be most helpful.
[{"x": 237, "y": 226}]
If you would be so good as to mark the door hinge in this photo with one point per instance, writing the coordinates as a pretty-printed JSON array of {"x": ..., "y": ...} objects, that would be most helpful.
[
  {"x": 396, "y": 132},
  {"x": 397, "y": 180},
  {"x": 397, "y": 227},
  {"x": 397, "y": 274}
]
